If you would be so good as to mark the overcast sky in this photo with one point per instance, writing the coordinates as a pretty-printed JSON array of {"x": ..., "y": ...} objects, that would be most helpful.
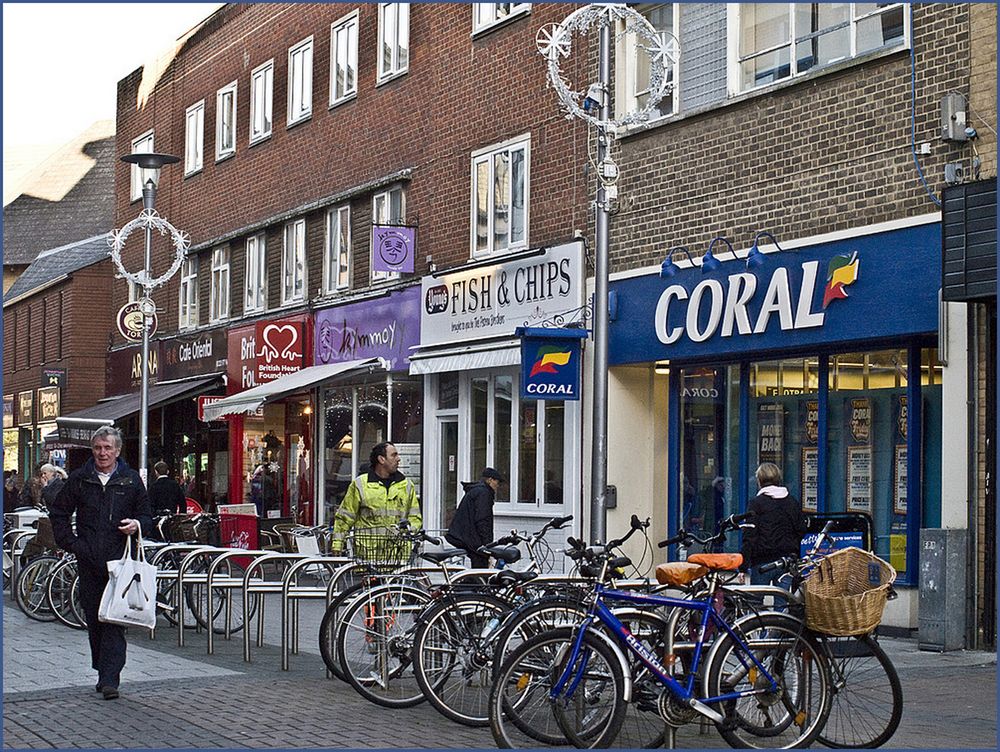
[{"x": 62, "y": 61}]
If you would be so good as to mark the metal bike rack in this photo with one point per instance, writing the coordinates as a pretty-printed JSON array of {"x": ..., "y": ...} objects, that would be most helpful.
[
  {"x": 184, "y": 577},
  {"x": 228, "y": 583},
  {"x": 292, "y": 592},
  {"x": 260, "y": 588}
]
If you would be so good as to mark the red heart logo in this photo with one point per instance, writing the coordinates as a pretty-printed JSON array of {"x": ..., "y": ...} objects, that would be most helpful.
[{"x": 278, "y": 342}]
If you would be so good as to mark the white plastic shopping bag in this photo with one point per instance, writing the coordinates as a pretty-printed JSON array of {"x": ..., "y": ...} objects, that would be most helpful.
[{"x": 130, "y": 596}]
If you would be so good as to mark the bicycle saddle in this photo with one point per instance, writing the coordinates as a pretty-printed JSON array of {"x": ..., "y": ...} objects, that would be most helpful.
[
  {"x": 508, "y": 554},
  {"x": 679, "y": 573},
  {"x": 726, "y": 562},
  {"x": 438, "y": 556}
]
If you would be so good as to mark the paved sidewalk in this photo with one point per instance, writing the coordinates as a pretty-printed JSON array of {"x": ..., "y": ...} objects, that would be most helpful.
[{"x": 182, "y": 698}]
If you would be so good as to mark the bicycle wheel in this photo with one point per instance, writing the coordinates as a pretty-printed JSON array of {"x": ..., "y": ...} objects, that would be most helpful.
[
  {"x": 867, "y": 701},
  {"x": 330, "y": 625},
  {"x": 452, "y": 655},
  {"x": 31, "y": 588},
  {"x": 535, "y": 618},
  {"x": 793, "y": 714},
  {"x": 221, "y": 599},
  {"x": 60, "y": 593},
  {"x": 165, "y": 591},
  {"x": 374, "y": 642},
  {"x": 590, "y": 712}
]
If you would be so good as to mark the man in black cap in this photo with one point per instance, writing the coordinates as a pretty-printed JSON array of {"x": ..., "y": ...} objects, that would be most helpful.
[{"x": 472, "y": 525}]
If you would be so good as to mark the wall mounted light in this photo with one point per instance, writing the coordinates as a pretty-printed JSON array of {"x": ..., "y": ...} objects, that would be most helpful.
[
  {"x": 756, "y": 258},
  {"x": 668, "y": 268},
  {"x": 709, "y": 263}
]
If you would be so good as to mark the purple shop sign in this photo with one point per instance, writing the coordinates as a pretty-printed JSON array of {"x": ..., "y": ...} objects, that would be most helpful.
[
  {"x": 381, "y": 328},
  {"x": 393, "y": 248}
]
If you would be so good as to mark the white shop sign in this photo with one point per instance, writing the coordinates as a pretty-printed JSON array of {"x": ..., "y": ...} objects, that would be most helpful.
[{"x": 491, "y": 301}]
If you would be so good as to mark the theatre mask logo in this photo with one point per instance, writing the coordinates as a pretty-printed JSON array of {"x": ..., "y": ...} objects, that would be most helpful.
[{"x": 841, "y": 272}]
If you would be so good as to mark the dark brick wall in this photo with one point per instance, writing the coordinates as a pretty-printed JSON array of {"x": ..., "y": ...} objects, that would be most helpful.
[
  {"x": 820, "y": 155},
  {"x": 460, "y": 94}
]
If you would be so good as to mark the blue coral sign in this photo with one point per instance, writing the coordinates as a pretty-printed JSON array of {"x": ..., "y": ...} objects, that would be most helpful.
[{"x": 550, "y": 363}]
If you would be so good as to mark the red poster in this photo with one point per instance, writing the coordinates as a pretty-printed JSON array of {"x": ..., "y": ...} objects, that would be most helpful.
[{"x": 280, "y": 349}]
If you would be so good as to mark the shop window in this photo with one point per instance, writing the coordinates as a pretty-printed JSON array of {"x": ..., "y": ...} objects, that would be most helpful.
[
  {"x": 373, "y": 413},
  {"x": 500, "y": 189},
  {"x": 142, "y": 145},
  {"x": 194, "y": 138},
  {"x": 300, "y": 66},
  {"x": 527, "y": 447},
  {"x": 867, "y": 445},
  {"x": 339, "y": 459},
  {"x": 555, "y": 420},
  {"x": 264, "y": 460},
  {"x": 781, "y": 40},
  {"x": 447, "y": 391},
  {"x": 503, "y": 417},
  {"x": 480, "y": 428},
  {"x": 225, "y": 121},
  {"x": 393, "y": 40},
  {"x": 664, "y": 17},
  {"x": 709, "y": 408},
  {"x": 784, "y": 424}
]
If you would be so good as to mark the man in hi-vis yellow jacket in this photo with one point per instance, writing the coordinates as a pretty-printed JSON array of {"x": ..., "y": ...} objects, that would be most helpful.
[{"x": 375, "y": 502}]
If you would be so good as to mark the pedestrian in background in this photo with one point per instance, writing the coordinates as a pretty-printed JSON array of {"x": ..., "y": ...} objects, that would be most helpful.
[
  {"x": 9, "y": 490},
  {"x": 110, "y": 503},
  {"x": 31, "y": 491},
  {"x": 53, "y": 478},
  {"x": 472, "y": 525},
  {"x": 778, "y": 525},
  {"x": 166, "y": 496}
]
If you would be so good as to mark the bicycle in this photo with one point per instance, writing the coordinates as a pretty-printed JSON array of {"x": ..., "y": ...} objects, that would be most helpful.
[
  {"x": 867, "y": 696},
  {"x": 572, "y": 681}
]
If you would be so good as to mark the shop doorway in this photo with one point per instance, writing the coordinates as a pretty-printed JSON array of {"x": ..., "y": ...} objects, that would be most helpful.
[{"x": 448, "y": 468}]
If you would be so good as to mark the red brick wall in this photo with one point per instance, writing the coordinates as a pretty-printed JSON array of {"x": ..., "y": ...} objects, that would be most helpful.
[{"x": 460, "y": 94}]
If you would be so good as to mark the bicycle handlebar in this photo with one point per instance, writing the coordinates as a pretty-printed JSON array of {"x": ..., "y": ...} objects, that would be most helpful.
[{"x": 732, "y": 522}]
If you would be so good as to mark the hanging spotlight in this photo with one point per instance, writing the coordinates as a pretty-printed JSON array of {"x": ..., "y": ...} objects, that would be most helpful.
[
  {"x": 668, "y": 268},
  {"x": 756, "y": 257},
  {"x": 709, "y": 263}
]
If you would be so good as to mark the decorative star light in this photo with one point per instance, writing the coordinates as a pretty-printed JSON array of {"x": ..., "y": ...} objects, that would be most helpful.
[
  {"x": 148, "y": 218},
  {"x": 555, "y": 44}
]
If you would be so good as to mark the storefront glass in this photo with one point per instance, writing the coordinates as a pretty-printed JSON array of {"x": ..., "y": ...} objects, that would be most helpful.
[
  {"x": 264, "y": 455},
  {"x": 709, "y": 409},
  {"x": 784, "y": 412},
  {"x": 383, "y": 409}
]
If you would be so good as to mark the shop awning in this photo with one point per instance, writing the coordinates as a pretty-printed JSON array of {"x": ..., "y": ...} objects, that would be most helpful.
[
  {"x": 506, "y": 352},
  {"x": 300, "y": 381},
  {"x": 76, "y": 428}
]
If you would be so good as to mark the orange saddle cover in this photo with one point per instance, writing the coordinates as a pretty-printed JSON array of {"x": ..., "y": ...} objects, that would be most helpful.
[
  {"x": 726, "y": 562},
  {"x": 679, "y": 573}
]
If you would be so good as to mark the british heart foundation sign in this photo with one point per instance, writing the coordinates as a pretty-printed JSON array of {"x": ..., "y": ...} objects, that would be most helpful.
[{"x": 280, "y": 347}]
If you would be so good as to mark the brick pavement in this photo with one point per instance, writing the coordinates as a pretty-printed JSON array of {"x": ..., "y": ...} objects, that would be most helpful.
[{"x": 182, "y": 698}]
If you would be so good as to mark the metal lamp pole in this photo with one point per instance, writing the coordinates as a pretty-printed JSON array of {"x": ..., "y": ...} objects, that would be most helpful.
[
  {"x": 149, "y": 167},
  {"x": 594, "y": 107}
]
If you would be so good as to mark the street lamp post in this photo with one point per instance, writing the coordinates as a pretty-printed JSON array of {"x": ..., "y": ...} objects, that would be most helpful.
[
  {"x": 149, "y": 170},
  {"x": 611, "y": 20}
]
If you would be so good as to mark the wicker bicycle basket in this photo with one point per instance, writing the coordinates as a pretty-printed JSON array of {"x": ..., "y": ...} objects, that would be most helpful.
[{"x": 846, "y": 593}]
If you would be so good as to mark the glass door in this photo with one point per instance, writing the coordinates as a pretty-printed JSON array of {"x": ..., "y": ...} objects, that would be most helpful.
[{"x": 448, "y": 468}]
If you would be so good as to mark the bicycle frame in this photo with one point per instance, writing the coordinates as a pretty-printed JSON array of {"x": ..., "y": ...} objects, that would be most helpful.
[{"x": 573, "y": 672}]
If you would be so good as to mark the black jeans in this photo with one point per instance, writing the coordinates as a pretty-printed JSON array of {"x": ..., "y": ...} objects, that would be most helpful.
[
  {"x": 107, "y": 641},
  {"x": 478, "y": 561}
]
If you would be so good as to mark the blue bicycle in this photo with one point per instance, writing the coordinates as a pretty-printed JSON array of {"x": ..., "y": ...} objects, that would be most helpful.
[{"x": 761, "y": 680}]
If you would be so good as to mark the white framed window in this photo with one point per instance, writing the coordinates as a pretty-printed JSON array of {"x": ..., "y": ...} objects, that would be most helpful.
[
  {"x": 219, "y": 307},
  {"x": 300, "y": 78},
  {"x": 485, "y": 15},
  {"x": 141, "y": 145},
  {"x": 769, "y": 42},
  {"x": 337, "y": 254},
  {"x": 187, "y": 307},
  {"x": 134, "y": 291},
  {"x": 388, "y": 208},
  {"x": 344, "y": 58},
  {"x": 255, "y": 298},
  {"x": 500, "y": 192},
  {"x": 635, "y": 84},
  {"x": 194, "y": 137},
  {"x": 261, "y": 100},
  {"x": 393, "y": 40},
  {"x": 225, "y": 121},
  {"x": 293, "y": 263}
]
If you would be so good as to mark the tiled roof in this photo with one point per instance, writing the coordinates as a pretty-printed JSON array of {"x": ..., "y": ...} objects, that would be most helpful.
[
  {"x": 57, "y": 262},
  {"x": 69, "y": 197}
]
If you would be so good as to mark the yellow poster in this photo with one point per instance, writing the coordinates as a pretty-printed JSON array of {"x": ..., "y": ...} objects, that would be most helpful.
[{"x": 897, "y": 552}]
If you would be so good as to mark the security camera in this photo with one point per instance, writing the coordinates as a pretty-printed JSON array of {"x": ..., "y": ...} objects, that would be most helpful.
[{"x": 595, "y": 97}]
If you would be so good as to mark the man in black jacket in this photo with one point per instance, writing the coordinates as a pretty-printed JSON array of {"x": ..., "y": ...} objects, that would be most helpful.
[
  {"x": 472, "y": 525},
  {"x": 165, "y": 494},
  {"x": 110, "y": 503}
]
